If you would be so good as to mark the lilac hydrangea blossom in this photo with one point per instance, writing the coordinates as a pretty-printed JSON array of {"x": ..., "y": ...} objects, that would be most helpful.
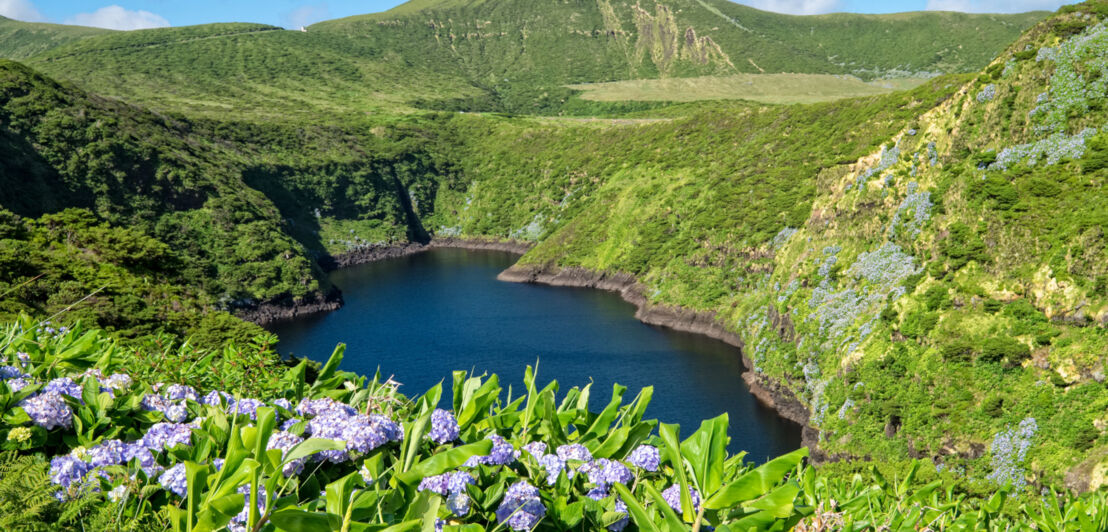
[
  {"x": 10, "y": 372},
  {"x": 622, "y": 523},
  {"x": 458, "y": 504},
  {"x": 521, "y": 508},
  {"x": 107, "y": 453},
  {"x": 66, "y": 469},
  {"x": 217, "y": 398},
  {"x": 238, "y": 522},
  {"x": 48, "y": 410},
  {"x": 17, "y": 384},
  {"x": 535, "y": 448},
  {"x": 174, "y": 480},
  {"x": 177, "y": 413},
  {"x": 502, "y": 453},
  {"x": 64, "y": 386},
  {"x": 1009, "y": 451},
  {"x": 553, "y": 465},
  {"x": 444, "y": 427},
  {"x": 247, "y": 407},
  {"x": 645, "y": 457},
  {"x": 167, "y": 435},
  {"x": 177, "y": 392},
  {"x": 672, "y": 496},
  {"x": 603, "y": 472},
  {"x": 117, "y": 381},
  {"x": 285, "y": 441},
  {"x": 574, "y": 451}
]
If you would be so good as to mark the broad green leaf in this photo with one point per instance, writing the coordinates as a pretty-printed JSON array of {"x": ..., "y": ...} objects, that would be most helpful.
[
  {"x": 706, "y": 450},
  {"x": 756, "y": 483},
  {"x": 296, "y": 520},
  {"x": 638, "y": 514},
  {"x": 670, "y": 519},
  {"x": 444, "y": 461},
  {"x": 672, "y": 453}
]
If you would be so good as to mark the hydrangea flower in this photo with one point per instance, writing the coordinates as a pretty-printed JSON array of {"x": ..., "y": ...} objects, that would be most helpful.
[
  {"x": 167, "y": 435},
  {"x": 287, "y": 424},
  {"x": 118, "y": 493},
  {"x": 138, "y": 451},
  {"x": 107, "y": 453},
  {"x": 117, "y": 381},
  {"x": 217, "y": 398},
  {"x": 645, "y": 457},
  {"x": 248, "y": 407},
  {"x": 622, "y": 523},
  {"x": 553, "y": 465},
  {"x": 672, "y": 496},
  {"x": 444, "y": 427},
  {"x": 66, "y": 469},
  {"x": 177, "y": 392},
  {"x": 446, "y": 483},
  {"x": 17, "y": 384},
  {"x": 458, "y": 504},
  {"x": 521, "y": 508},
  {"x": 598, "y": 493},
  {"x": 502, "y": 453},
  {"x": 48, "y": 410},
  {"x": 603, "y": 472},
  {"x": 285, "y": 441},
  {"x": 574, "y": 451},
  {"x": 154, "y": 403},
  {"x": 535, "y": 448},
  {"x": 364, "y": 433},
  {"x": 174, "y": 480},
  {"x": 10, "y": 372},
  {"x": 177, "y": 413},
  {"x": 64, "y": 385},
  {"x": 283, "y": 403},
  {"x": 326, "y": 405},
  {"x": 19, "y": 434}
]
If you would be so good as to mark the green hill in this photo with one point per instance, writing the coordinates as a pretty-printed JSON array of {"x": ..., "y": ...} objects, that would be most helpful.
[
  {"x": 494, "y": 56},
  {"x": 20, "y": 40}
]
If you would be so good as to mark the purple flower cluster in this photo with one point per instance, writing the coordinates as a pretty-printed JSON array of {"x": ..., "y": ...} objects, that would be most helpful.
[
  {"x": 521, "y": 508},
  {"x": 645, "y": 457},
  {"x": 176, "y": 392},
  {"x": 553, "y": 466},
  {"x": 502, "y": 453},
  {"x": 174, "y": 480},
  {"x": 167, "y": 435},
  {"x": 285, "y": 441},
  {"x": 247, "y": 407},
  {"x": 574, "y": 451},
  {"x": 48, "y": 410},
  {"x": 66, "y": 470},
  {"x": 362, "y": 433},
  {"x": 535, "y": 448},
  {"x": 444, "y": 427},
  {"x": 604, "y": 472},
  {"x": 446, "y": 483},
  {"x": 324, "y": 406},
  {"x": 672, "y": 496},
  {"x": 11, "y": 372},
  {"x": 64, "y": 386}
]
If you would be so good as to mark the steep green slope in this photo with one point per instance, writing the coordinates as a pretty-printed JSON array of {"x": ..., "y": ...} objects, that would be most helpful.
[
  {"x": 245, "y": 69},
  {"x": 20, "y": 40},
  {"x": 521, "y": 52},
  {"x": 502, "y": 55},
  {"x": 923, "y": 300}
]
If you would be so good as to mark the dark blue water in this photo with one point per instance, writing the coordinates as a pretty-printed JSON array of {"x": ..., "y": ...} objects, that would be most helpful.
[{"x": 420, "y": 317}]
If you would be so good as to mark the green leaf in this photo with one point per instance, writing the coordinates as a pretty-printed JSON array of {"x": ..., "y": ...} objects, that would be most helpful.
[
  {"x": 296, "y": 520},
  {"x": 706, "y": 451},
  {"x": 672, "y": 453},
  {"x": 756, "y": 483},
  {"x": 638, "y": 514},
  {"x": 311, "y": 446},
  {"x": 444, "y": 461}
]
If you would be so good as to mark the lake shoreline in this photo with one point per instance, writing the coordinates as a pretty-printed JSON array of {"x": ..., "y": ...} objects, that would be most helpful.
[{"x": 770, "y": 393}]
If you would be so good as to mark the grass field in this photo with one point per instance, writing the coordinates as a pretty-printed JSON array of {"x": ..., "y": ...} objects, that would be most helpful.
[{"x": 764, "y": 88}]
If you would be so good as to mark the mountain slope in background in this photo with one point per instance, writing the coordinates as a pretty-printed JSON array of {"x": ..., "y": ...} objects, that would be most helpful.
[{"x": 496, "y": 56}]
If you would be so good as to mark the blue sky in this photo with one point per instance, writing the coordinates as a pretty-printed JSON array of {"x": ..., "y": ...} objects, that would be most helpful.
[{"x": 134, "y": 14}]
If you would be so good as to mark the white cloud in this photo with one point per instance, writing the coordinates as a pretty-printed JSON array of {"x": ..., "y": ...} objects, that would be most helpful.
[
  {"x": 996, "y": 6},
  {"x": 117, "y": 18},
  {"x": 307, "y": 15},
  {"x": 794, "y": 7},
  {"x": 20, "y": 10}
]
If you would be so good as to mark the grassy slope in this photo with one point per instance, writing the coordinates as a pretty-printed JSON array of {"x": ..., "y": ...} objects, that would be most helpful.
[
  {"x": 20, "y": 40},
  {"x": 491, "y": 56},
  {"x": 1005, "y": 279}
]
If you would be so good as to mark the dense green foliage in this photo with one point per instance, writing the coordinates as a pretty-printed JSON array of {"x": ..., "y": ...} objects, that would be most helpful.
[{"x": 117, "y": 455}]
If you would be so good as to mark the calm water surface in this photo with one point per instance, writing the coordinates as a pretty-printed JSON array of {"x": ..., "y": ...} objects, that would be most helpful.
[{"x": 420, "y": 317}]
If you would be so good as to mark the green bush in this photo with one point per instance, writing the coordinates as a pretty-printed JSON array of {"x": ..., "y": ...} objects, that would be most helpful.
[{"x": 1004, "y": 349}]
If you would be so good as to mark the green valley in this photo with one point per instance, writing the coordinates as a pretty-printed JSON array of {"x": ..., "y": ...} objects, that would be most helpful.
[{"x": 901, "y": 218}]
